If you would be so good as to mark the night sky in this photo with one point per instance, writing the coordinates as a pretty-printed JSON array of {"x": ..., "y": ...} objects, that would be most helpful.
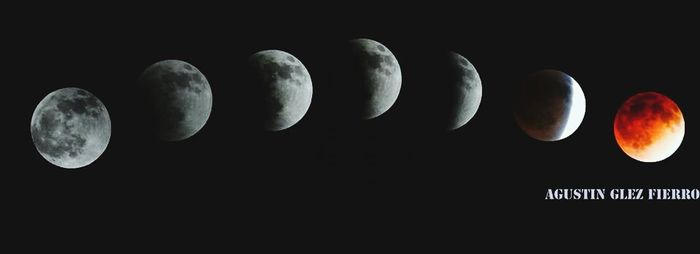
[{"x": 331, "y": 173}]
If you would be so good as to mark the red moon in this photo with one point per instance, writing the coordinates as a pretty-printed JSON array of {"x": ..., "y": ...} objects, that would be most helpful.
[{"x": 649, "y": 127}]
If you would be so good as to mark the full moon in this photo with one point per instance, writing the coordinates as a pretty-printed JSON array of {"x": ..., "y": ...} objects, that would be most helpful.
[
  {"x": 179, "y": 98},
  {"x": 378, "y": 76},
  {"x": 286, "y": 88},
  {"x": 550, "y": 105},
  {"x": 70, "y": 128},
  {"x": 649, "y": 127}
]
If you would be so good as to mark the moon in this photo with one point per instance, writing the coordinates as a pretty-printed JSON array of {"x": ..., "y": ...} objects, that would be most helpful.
[
  {"x": 70, "y": 128},
  {"x": 649, "y": 127},
  {"x": 179, "y": 98},
  {"x": 550, "y": 105},
  {"x": 465, "y": 85},
  {"x": 378, "y": 76},
  {"x": 286, "y": 88}
]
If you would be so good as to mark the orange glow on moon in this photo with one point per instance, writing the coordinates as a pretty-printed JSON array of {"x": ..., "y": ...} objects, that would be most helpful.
[{"x": 649, "y": 127}]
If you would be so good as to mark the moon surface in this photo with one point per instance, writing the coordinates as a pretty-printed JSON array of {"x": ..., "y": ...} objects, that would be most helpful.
[
  {"x": 550, "y": 105},
  {"x": 465, "y": 84},
  {"x": 649, "y": 127},
  {"x": 379, "y": 76},
  {"x": 286, "y": 88},
  {"x": 179, "y": 98},
  {"x": 71, "y": 128}
]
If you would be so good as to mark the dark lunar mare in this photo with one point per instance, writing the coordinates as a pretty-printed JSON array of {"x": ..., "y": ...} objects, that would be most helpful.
[{"x": 54, "y": 146}]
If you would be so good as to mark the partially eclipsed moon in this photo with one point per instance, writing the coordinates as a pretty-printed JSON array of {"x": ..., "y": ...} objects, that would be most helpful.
[
  {"x": 550, "y": 105},
  {"x": 380, "y": 76},
  {"x": 466, "y": 88},
  {"x": 179, "y": 98},
  {"x": 649, "y": 127},
  {"x": 286, "y": 86}
]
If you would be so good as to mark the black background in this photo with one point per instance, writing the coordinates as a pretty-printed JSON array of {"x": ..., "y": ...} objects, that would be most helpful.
[{"x": 330, "y": 177}]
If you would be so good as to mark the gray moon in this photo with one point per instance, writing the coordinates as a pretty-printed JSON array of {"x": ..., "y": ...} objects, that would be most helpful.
[
  {"x": 381, "y": 76},
  {"x": 550, "y": 105},
  {"x": 467, "y": 91},
  {"x": 71, "y": 128},
  {"x": 286, "y": 86},
  {"x": 179, "y": 98}
]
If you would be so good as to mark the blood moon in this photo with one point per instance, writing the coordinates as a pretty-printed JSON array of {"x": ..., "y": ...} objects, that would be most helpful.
[{"x": 649, "y": 127}]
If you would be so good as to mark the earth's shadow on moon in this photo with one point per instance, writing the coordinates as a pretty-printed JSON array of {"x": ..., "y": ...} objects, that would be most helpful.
[
  {"x": 543, "y": 104},
  {"x": 180, "y": 98},
  {"x": 429, "y": 101}
]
